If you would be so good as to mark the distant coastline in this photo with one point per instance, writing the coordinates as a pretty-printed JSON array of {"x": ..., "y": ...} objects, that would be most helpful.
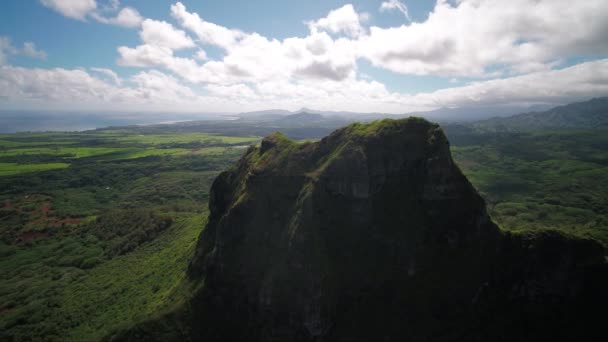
[{"x": 30, "y": 121}]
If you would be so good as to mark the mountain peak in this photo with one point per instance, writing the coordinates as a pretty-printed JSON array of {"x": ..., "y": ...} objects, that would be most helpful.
[
  {"x": 371, "y": 233},
  {"x": 298, "y": 231}
]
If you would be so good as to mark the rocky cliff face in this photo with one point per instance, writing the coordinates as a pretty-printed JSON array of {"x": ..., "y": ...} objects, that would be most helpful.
[{"x": 373, "y": 233}]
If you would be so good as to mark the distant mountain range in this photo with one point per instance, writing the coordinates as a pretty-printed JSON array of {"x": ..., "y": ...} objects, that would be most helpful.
[
  {"x": 311, "y": 124},
  {"x": 581, "y": 115},
  {"x": 590, "y": 114}
]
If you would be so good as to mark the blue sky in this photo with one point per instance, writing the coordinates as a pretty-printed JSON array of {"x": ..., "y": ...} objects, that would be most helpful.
[{"x": 389, "y": 56}]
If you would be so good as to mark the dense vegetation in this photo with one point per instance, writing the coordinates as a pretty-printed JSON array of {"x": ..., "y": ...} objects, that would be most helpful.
[
  {"x": 542, "y": 180},
  {"x": 97, "y": 228}
]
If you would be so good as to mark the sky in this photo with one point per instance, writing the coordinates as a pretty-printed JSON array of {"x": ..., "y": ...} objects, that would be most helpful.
[{"x": 394, "y": 56}]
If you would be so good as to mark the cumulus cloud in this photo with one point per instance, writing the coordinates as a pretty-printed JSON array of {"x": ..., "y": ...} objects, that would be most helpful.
[
  {"x": 53, "y": 85},
  {"x": 126, "y": 17},
  {"x": 208, "y": 33},
  {"x": 469, "y": 37},
  {"x": 144, "y": 56},
  {"x": 75, "y": 9},
  {"x": 392, "y": 5},
  {"x": 37, "y": 88},
  {"x": 325, "y": 69},
  {"x": 523, "y": 43},
  {"x": 249, "y": 57},
  {"x": 344, "y": 19},
  {"x": 81, "y": 9},
  {"x": 154, "y": 89},
  {"x": 157, "y": 86},
  {"x": 574, "y": 83},
  {"x": 163, "y": 34}
]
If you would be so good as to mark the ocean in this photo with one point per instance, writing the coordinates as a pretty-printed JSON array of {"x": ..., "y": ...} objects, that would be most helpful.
[{"x": 30, "y": 121}]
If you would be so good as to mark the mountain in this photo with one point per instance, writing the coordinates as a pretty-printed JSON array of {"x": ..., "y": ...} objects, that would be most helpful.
[
  {"x": 590, "y": 114},
  {"x": 444, "y": 115},
  {"x": 474, "y": 113},
  {"x": 270, "y": 114},
  {"x": 373, "y": 233},
  {"x": 301, "y": 119}
]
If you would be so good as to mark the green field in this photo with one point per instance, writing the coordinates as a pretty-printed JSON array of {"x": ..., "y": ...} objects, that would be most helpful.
[
  {"x": 184, "y": 138},
  {"x": 9, "y": 169},
  {"x": 37, "y": 149}
]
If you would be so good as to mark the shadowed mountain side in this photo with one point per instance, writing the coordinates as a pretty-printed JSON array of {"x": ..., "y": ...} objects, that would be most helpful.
[{"x": 373, "y": 233}]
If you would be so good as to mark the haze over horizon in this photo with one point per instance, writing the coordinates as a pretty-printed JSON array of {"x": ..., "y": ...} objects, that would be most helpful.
[{"x": 360, "y": 56}]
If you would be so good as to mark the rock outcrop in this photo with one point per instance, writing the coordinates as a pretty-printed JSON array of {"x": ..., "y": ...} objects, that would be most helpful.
[{"x": 373, "y": 233}]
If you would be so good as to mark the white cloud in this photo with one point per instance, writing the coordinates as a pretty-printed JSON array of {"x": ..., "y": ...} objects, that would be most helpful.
[
  {"x": 63, "y": 89},
  {"x": 53, "y": 85},
  {"x": 156, "y": 86},
  {"x": 395, "y": 5},
  {"x": 158, "y": 56},
  {"x": 75, "y": 9},
  {"x": 208, "y": 33},
  {"x": 524, "y": 42},
  {"x": 80, "y": 9},
  {"x": 144, "y": 56},
  {"x": 77, "y": 89},
  {"x": 577, "y": 82},
  {"x": 163, "y": 34},
  {"x": 344, "y": 19},
  {"x": 126, "y": 17},
  {"x": 250, "y": 57},
  {"x": 232, "y": 92},
  {"x": 470, "y": 37}
]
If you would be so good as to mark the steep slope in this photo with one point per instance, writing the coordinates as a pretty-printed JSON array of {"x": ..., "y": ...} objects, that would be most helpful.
[
  {"x": 374, "y": 233},
  {"x": 590, "y": 114}
]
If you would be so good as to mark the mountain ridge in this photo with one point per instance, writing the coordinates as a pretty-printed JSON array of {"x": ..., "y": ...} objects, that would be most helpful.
[{"x": 591, "y": 114}]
